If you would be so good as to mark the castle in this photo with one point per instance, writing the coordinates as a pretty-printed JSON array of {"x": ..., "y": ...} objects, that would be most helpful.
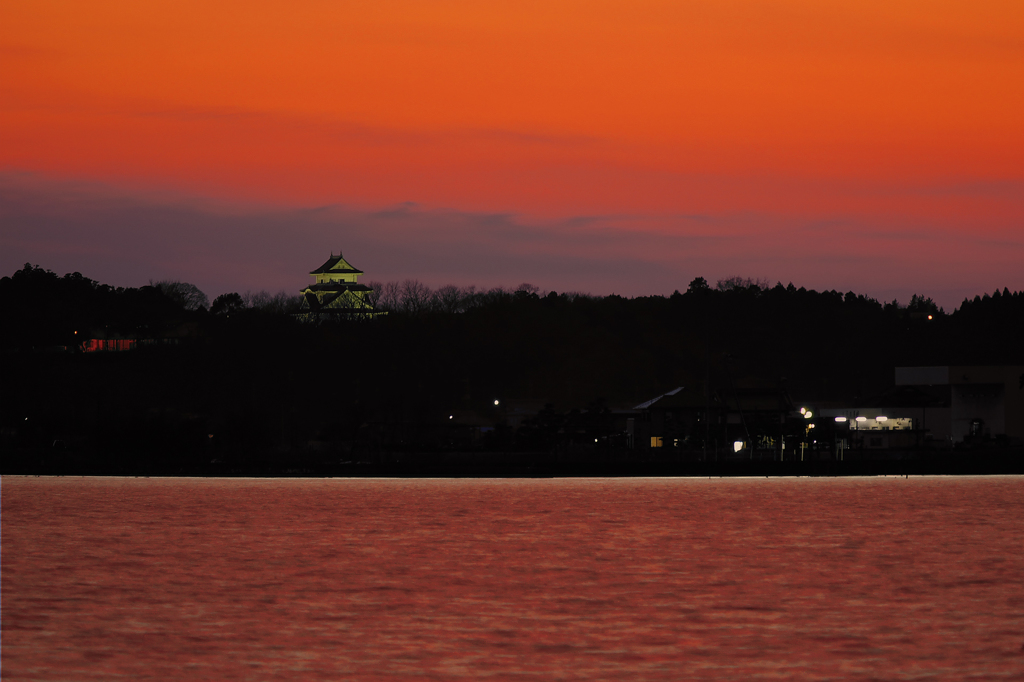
[{"x": 336, "y": 292}]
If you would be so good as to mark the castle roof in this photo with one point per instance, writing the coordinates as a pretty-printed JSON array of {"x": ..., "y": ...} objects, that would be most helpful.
[
  {"x": 337, "y": 286},
  {"x": 336, "y": 264}
]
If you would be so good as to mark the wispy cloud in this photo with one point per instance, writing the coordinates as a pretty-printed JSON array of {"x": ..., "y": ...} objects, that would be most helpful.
[{"x": 330, "y": 128}]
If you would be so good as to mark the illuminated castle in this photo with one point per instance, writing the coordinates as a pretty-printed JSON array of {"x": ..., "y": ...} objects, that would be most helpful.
[{"x": 336, "y": 292}]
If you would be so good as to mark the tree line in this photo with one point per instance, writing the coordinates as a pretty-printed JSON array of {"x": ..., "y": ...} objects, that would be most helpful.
[{"x": 244, "y": 376}]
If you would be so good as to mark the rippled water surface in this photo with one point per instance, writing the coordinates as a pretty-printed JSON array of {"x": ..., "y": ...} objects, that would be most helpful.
[{"x": 645, "y": 579}]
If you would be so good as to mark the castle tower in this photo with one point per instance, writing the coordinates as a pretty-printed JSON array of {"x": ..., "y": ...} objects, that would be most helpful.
[{"x": 336, "y": 292}]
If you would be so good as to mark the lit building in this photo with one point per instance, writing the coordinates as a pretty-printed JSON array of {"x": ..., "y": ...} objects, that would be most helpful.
[
  {"x": 936, "y": 406},
  {"x": 336, "y": 292}
]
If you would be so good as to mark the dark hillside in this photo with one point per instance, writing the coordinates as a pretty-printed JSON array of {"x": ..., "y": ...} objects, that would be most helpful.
[{"x": 254, "y": 384}]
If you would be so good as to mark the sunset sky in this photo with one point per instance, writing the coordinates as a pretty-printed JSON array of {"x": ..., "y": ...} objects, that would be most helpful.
[{"x": 626, "y": 147}]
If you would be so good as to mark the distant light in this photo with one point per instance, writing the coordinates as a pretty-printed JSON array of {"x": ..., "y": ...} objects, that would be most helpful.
[
  {"x": 810, "y": 426},
  {"x": 881, "y": 419},
  {"x": 929, "y": 317},
  {"x": 595, "y": 440},
  {"x": 808, "y": 414},
  {"x": 862, "y": 419},
  {"x": 495, "y": 402},
  {"x": 451, "y": 416},
  {"x": 737, "y": 446},
  {"x": 840, "y": 419},
  {"x": 803, "y": 410}
]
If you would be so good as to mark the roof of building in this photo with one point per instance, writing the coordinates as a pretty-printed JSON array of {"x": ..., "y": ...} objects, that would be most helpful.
[
  {"x": 332, "y": 299},
  {"x": 644, "y": 405},
  {"x": 748, "y": 399},
  {"x": 337, "y": 286},
  {"x": 336, "y": 264}
]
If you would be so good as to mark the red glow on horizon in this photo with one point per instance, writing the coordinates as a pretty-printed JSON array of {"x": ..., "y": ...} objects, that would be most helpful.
[{"x": 897, "y": 115}]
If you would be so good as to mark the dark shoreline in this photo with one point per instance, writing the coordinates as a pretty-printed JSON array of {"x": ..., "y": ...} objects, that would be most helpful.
[{"x": 541, "y": 465}]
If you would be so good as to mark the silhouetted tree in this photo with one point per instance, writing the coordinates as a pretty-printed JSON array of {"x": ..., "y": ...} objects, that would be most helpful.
[
  {"x": 373, "y": 295},
  {"x": 448, "y": 299},
  {"x": 698, "y": 284},
  {"x": 733, "y": 283},
  {"x": 922, "y": 304},
  {"x": 415, "y": 296},
  {"x": 281, "y": 303},
  {"x": 388, "y": 296},
  {"x": 188, "y": 296},
  {"x": 227, "y": 303}
]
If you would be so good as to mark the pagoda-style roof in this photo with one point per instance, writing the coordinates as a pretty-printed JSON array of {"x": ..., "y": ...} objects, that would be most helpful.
[
  {"x": 336, "y": 264},
  {"x": 338, "y": 286}
]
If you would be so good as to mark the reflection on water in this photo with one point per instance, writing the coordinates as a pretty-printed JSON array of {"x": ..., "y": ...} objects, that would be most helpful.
[{"x": 545, "y": 579}]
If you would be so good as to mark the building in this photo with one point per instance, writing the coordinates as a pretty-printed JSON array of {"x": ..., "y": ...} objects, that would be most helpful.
[
  {"x": 750, "y": 421},
  {"x": 336, "y": 292},
  {"x": 941, "y": 406},
  {"x": 984, "y": 401}
]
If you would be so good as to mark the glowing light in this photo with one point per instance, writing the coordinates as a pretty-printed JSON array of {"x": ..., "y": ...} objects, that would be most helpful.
[
  {"x": 929, "y": 317},
  {"x": 862, "y": 419},
  {"x": 808, "y": 414},
  {"x": 840, "y": 419},
  {"x": 495, "y": 402},
  {"x": 803, "y": 410},
  {"x": 737, "y": 446},
  {"x": 810, "y": 426},
  {"x": 595, "y": 440},
  {"x": 881, "y": 419},
  {"x": 451, "y": 416}
]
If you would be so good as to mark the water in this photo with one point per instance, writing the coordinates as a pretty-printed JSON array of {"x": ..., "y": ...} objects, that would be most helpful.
[{"x": 641, "y": 579}]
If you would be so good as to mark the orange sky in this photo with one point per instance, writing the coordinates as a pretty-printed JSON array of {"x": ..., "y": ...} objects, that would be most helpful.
[{"x": 881, "y": 113}]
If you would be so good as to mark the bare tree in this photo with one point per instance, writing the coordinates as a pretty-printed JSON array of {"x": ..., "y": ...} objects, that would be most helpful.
[
  {"x": 388, "y": 296},
  {"x": 415, "y": 296},
  {"x": 256, "y": 299},
  {"x": 731, "y": 283},
  {"x": 282, "y": 302},
  {"x": 448, "y": 299},
  {"x": 373, "y": 295},
  {"x": 492, "y": 296},
  {"x": 470, "y": 297},
  {"x": 573, "y": 295}
]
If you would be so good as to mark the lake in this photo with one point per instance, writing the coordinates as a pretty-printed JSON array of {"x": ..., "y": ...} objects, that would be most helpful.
[{"x": 640, "y": 579}]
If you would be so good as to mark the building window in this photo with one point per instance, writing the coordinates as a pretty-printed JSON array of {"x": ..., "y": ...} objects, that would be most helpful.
[{"x": 656, "y": 441}]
